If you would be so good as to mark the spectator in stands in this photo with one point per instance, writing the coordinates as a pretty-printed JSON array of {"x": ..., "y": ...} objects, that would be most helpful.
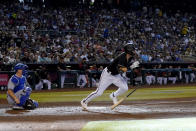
[
  {"x": 144, "y": 31},
  {"x": 42, "y": 58},
  {"x": 26, "y": 58},
  {"x": 12, "y": 59},
  {"x": 93, "y": 34}
]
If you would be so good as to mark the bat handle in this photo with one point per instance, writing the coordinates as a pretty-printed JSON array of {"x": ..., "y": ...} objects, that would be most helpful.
[{"x": 132, "y": 92}]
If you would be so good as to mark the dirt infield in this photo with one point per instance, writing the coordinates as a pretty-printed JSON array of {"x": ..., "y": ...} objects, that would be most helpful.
[{"x": 68, "y": 116}]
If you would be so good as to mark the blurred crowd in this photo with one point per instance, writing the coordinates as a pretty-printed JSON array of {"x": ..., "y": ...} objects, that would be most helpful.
[{"x": 44, "y": 35}]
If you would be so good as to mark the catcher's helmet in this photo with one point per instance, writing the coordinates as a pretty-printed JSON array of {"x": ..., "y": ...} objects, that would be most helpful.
[
  {"x": 129, "y": 48},
  {"x": 19, "y": 66},
  {"x": 25, "y": 71}
]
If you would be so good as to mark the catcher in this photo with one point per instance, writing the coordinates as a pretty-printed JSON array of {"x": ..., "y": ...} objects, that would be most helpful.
[
  {"x": 19, "y": 91},
  {"x": 115, "y": 74}
]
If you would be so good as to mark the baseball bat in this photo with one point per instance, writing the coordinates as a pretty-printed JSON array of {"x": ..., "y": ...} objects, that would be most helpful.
[{"x": 121, "y": 100}]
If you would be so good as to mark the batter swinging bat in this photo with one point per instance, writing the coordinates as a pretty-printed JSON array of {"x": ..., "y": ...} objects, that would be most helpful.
[{"x": 121, "y": 100}]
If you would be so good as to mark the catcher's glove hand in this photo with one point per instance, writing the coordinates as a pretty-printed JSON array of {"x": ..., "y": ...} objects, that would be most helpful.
[{"x": 135, "y": 65}]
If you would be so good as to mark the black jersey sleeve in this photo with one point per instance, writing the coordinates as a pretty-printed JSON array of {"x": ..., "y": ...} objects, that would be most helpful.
[{"x": 119, "y": 60}]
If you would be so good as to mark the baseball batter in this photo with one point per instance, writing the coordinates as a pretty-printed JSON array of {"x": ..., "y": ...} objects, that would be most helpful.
[
  {"x": 114, "y": 74},
  {"x": 18, "y": 91}
]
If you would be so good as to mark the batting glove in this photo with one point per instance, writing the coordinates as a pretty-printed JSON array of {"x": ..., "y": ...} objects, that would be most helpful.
[{"x": 135, "y": 65}]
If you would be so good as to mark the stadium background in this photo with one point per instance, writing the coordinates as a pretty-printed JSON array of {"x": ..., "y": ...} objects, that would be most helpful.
[
  {"x": 66, "y": 31},
  {"x": 45, "y": 41}
]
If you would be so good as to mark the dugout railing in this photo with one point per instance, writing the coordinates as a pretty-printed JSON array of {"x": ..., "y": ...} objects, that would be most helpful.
[
  {"x": 72, "y": 74},
  {"x": 70, "y": 77},
  {"x": 130, "y": 75},
  {"x": 167, "y": 71}
]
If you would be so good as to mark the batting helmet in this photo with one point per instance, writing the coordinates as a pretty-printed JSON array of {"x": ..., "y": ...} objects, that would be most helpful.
[
  {"x": 129, "y": 48},
  {"x": 19, "y": 66}
]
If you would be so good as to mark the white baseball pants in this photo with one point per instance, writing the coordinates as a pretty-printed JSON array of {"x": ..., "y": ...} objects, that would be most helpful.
[
  {"x": 160, "y": 80},
  {"x": 106, "y": 80},
  {"x": 82, "y": 81},
  {"x": 173, "y": 79},
  {"x": 150, "y": 79},
  {"x": 39, "y": 86}
]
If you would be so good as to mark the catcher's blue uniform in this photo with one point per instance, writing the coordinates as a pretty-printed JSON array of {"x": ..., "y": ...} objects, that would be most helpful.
[{"x": 19, "y": 86}]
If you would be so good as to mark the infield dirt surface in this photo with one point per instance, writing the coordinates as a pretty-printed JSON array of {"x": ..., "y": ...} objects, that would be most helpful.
[{"x": 69, "y": 116}]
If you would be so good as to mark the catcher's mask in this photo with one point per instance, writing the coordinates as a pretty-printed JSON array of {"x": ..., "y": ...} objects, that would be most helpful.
[{"x": 129, "y": 49}]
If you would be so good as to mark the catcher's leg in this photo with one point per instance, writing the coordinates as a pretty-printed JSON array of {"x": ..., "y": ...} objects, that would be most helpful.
[{"x": 24, "y": 96}]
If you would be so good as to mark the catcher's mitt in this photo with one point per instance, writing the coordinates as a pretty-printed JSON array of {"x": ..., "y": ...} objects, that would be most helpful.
[{"x": 29, "y": 105}]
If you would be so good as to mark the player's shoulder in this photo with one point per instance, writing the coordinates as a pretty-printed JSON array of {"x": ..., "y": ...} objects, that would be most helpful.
[{"x": 14, "y": 79}]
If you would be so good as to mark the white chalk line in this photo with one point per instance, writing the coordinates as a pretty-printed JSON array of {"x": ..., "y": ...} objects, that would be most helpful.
[
  {"x": 145, "y": 92},
  {"x": 172, "y": 102}
]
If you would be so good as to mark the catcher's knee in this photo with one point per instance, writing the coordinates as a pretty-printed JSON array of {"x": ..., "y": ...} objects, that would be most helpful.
[
  {"x": 30, "y": 104},
  {"x": 28, "y": 91}
]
